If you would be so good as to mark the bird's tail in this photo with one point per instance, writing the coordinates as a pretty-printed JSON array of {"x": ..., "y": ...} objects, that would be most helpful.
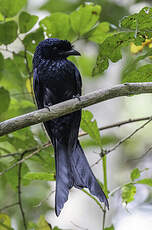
[
  {"x": 83, "y": 175},
  {"x": 73, "y": 170},
  {"x": 64, "y": 178}
]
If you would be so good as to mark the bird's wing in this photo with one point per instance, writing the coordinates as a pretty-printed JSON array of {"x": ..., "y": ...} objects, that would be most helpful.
[
  {"x": 78, "y": 81},
  {"x": 37, "y": 90},
  {"x": 76, "y": 116}
]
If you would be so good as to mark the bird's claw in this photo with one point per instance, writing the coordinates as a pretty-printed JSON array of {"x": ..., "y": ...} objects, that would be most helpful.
[
  {"x": 77, "y": 96},
  {"x": 47, "y": 107}
]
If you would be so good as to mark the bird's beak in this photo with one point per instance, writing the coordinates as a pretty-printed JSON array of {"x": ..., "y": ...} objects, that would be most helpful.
[{"x": 71, "y": 52}]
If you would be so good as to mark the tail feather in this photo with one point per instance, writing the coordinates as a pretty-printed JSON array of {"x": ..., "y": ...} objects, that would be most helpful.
[
  {"x": 83, "y": 175},
  {"x": 64, "y": 181},
  {"x": 72, "y": 169}
]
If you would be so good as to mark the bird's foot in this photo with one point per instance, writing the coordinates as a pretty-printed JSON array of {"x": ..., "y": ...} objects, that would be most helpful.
[
  {"x": 47, "y": 107},
  {"x": 77, "y": 96}
]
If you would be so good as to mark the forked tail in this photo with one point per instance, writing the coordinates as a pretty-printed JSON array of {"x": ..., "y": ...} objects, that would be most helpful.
[{"x": 73, "y": 170}]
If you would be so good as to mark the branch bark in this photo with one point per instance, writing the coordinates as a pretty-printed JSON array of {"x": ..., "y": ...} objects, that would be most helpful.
[{"x": 72, "y": 105}]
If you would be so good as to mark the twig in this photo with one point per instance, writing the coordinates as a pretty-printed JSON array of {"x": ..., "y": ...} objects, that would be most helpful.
[
  {"x": 25, "y": 158},
  {"x": 8, "y": 206},
  {"x": 118, "y": 124},
  {"x": 126, "y": 138},
  {"x": 104, "y": 218},
  {"x": 92, "y": 197},
  {"x": 72, "y": 105},
  {"x": 45, "y": 199},
  {"x": 19, "y": 193},
  {"x": 78, "y": 226}
]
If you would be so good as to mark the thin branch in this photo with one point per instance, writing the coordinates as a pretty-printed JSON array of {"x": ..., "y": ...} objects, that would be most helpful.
[
  {"x": 77, "y": 226},
  {"x": 19, "y": 193},
  {"x": 25, "y": 158},
  {"x": 8, "y": 206},
  {"x": 104, "y": 218},
  {"x": 126, "y": 138},
  {"x": 92, "y": 197},
  {"x": 72, "y": 105},
  {"x": 45, "y": 199},
  {"x": 118, "y": 124}
]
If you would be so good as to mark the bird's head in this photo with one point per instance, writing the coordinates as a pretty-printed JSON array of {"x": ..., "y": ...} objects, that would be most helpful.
[{"x": 53, "y": 48}]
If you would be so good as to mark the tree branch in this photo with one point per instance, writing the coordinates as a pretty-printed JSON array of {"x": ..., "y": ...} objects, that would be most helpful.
[
  {"x": 72, "y": 105},
  {"x": 19, "y": 193}
]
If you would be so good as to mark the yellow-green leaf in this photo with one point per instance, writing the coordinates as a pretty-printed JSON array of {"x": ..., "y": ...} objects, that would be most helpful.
[
  {"x": 84, "y": 18},
  {"x": 135, "y": 174},
  {"x": 128, "y": 193},
  {"x": 40, "y": 176}
]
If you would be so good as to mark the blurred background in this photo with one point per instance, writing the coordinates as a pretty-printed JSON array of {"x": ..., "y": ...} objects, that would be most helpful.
[{"x": 80, "y": 211}]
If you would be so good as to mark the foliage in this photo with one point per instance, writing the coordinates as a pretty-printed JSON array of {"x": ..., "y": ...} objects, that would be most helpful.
[{"x": 88, "y": 23}]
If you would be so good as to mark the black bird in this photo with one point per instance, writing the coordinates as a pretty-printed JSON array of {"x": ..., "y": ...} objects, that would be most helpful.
[{"x": 57, "y": 79}]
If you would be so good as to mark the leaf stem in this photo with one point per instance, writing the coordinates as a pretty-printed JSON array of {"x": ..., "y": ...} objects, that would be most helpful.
[{"x": 104, "y": 165}]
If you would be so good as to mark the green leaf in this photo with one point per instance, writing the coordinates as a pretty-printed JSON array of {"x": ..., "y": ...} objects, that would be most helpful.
[
  {"x": 110, "y": 228},
  {"x": 86, "y": 64},
  {"x": 43, "y": 224},
  {"x": 128, "y": 193},
  {"x": 32, "y": 39},
  {"x": 111, "y": 49},
  {"x": 138, "y": 21},
  {"x": 11, "y": 77},
  {"x": 135, "y": 174},
  {"x": 99, "y": 33},
  {"x": 89, "y": 125},
  {"x": 146, "y": 181},
  {"x": 53, "y": 25},
  {"x": 5, "y": 222},
  {"x": 101, "y": 65},
  {"x": 12, "y": 176},
  {"x": 84, "y": 18},
  {"x": 60, "y": 6},
  {"x": 8, "y": 32},
  {"x": 10, "y": 8},
  {"x": 5, "y": 100},
  {"x": 26, "y": 21},
  {"x": 141, "y": 74},
  {"x": 56, "y": 228},
  {"x": 1, "y": 65},
  {"x": 39, "y": 176}
]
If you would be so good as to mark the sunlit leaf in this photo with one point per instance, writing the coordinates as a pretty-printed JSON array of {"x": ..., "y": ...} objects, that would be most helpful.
[
  {"x": 5, "y": 222},
  {"x": 60, "y": 6},
  {"x": 39, "y": 176},
  {"x": 128, "y": 193},
  {"x": 110, "y": 228},
  {"x": 43, "y": 224},
  {"x": 53, "y": 25},
  {"x": 8, "y": 32},
  {"x": 26, "y": 21},
  {"x": 89, "y": 125},
  {"x": 99, "y": 33},
  {"x": 84, "y": 18},
  {"x": 111, "y": 49},
  {"x": 10, "y": 8},
  {"x": 139, "y": 21},
  {"x": 135, "y": 174},
  {"x": 146, "y": 181}
]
